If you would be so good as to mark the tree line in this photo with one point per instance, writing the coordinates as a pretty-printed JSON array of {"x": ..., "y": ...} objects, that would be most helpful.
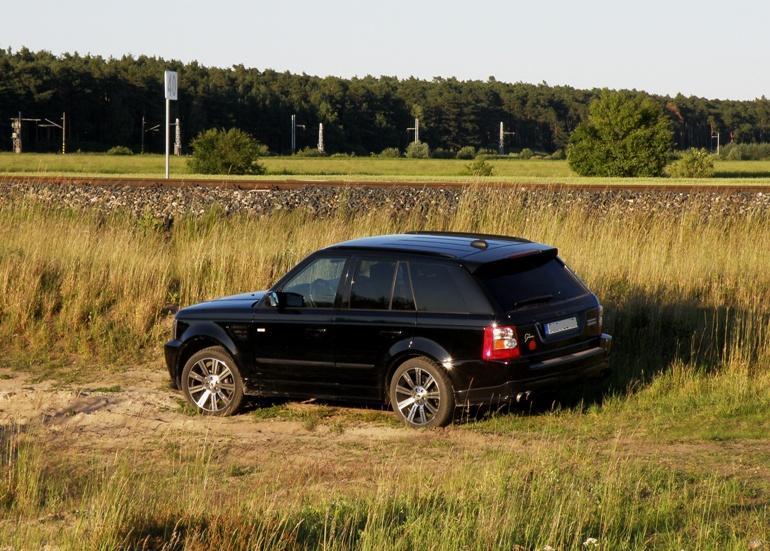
[{"x": 106, "y": 98}]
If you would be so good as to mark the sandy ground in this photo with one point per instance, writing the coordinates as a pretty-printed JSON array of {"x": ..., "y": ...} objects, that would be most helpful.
[{"x": 143, "y": 416}]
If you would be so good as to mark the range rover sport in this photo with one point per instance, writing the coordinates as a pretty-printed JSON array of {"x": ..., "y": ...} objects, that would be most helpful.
[{"x": 427, "y": 321}]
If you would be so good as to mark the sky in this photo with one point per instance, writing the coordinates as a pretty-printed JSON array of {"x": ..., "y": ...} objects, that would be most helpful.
[{"x": 704, "y": 48}]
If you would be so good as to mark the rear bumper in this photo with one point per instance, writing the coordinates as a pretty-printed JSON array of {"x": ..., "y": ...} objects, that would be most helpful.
[
  {"x": 171, "y": 353},
  {"x": 551, "y": 374}
]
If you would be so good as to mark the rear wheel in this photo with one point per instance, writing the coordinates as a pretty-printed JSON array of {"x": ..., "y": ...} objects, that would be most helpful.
[
  {"x": 421, "y": 394},
  {"x": 212, "y": 383}
]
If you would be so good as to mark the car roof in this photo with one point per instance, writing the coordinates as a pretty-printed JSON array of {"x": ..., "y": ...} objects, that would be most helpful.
[{"x": 470, "y": 249}]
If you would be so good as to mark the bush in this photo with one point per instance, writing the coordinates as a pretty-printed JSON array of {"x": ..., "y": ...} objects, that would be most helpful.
[
  {"x": 694, "y": 163},
  {"x": 466, "y": 152},
  {"x": 526, "y": 154},
  {"x": 418, "y": 150},
  {"x": 230, "y": 151},
  {"x": 557, "y": 155},
  {"x": 625, "y": 134},
  {"x": 480, "y": 167},
  {"x": 486, "y": 152},
  {"x": 309, "y": 152},
  {"x": 745, "y": 152},
  {"x": 442, "y": 154},
  {"x": 390, "y": 153},
  {"x": 119, "y": 150}
]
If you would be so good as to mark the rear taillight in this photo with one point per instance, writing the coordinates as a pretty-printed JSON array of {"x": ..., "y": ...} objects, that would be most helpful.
[
  {"x": 595, "y": 320},
  {"x": 500, "y": 343}
]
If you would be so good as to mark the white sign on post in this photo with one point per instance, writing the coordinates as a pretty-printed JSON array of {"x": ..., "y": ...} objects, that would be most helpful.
[{"x": 170, "y": 80}]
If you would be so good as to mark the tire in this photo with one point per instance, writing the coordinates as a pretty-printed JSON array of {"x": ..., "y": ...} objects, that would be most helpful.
[
  {"x": 421, "y": 394},
  {"x": 212, "y": 369}
]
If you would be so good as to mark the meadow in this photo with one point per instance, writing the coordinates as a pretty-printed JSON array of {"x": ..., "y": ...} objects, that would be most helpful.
[
  {"x": 358, "y": 168},
  {"x": 676, "y": 454}
]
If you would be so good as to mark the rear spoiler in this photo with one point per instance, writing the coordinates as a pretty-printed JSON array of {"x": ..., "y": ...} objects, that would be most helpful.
[{"x": 535, "y": 255}]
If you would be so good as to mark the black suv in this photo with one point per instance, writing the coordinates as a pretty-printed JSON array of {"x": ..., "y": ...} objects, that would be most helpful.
[{"x": 428, "y": 321}]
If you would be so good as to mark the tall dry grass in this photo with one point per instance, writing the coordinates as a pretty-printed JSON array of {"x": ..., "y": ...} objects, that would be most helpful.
[{"x": 674, "y": 286}]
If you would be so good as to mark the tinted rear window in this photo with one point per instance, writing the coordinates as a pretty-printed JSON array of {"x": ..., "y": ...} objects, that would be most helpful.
[
  {"x": 446, "y": 288},
  {"x": 518, "y": 283}
]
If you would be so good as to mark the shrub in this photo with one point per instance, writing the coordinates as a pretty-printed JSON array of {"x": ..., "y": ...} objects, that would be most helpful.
[
  {"x": 480, "y": 167},
  {"x": 418, "y": 150},
  {"x": 119, "y": 150},
  {"x": 309, "y": 152},
  {"x": 694, "y": 163},
  {"x": 486, "y": 152},
  {"x": 466, "y": 152},
  {"x": 441, "y": 153},
  {"x": 745, "y": 152},
  {"x": 557, "y": 155},
  {"x": 390, "y": 153},
  {"x": 230, "y": 151},
  {"x": 526, "y": 153},
  {"x": 625, "y": 134}
]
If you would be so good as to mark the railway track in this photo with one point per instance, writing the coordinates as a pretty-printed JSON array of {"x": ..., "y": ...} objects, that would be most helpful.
[{"x": 294, "y": 184}]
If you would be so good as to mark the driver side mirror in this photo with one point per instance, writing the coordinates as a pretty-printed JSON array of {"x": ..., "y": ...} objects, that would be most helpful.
[{"x": 281, "y": 300}]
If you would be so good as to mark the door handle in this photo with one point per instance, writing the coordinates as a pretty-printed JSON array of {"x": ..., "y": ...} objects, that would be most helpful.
[
  {"x": 391, "y": 332},
  {"x": 316, "y": 330}
]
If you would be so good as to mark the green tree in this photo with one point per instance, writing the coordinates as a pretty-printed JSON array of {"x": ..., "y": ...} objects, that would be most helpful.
[
  {"x": 625, "y": 134},
  {"x": 230, "y": 151}
]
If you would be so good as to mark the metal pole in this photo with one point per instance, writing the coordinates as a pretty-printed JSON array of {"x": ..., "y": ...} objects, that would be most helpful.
[
  {"x": 501, "y": 142},
  {"x": 293, "y": 133},
  {"x": 321, "y": 137},
  {"x": 142, "y": 150},
  {"x": 177, "y": 138},
  {"x": 64, "y": 133},
  {"x": 416, "y": 130},
  {"x": 168, "y": 114}
]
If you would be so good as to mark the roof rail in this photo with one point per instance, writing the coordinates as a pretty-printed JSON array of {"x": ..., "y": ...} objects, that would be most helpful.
[{"x": 471, "y": 235}]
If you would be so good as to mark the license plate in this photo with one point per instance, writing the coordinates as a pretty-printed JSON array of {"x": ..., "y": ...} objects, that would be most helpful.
[{"x": 560, "y": 326}]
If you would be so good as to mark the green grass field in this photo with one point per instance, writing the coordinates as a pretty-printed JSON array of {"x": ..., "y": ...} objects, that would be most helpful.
[
  {"x": 359, "y": 168},
  {"x": 97, "y": 453}
]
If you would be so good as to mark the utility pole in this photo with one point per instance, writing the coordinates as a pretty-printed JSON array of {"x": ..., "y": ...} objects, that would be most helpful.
[
  {"x": 503, "y": 134},
  {"x": 154, "y": 128},
  {"x": 416, "y": 129},
  {"x": 294, "y": 127},
  {"x": 170, "y": 81},
  {"x": 16, "y": 127},
  {"x": 16, "y": 133},
  {"x": 715, "y": 136},
  {"x": 62, "y": 127},
  {"x": 321, "y": 137}
]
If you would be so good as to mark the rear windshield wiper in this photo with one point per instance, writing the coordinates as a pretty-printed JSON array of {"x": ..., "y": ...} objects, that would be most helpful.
[{"x": 531, "y": 300}]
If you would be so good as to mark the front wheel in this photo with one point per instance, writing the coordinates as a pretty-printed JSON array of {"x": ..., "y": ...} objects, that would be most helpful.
[
  {"x": 212, "y": 383},
  {"x": 422, "y": 394}
]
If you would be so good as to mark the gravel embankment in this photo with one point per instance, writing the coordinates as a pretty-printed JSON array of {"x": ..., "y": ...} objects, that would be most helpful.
[{"x": 163, "y": 202}]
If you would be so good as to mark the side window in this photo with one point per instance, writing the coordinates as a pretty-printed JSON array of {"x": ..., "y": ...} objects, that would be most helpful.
[
  {"x": 446, "y": 288},
  {"x": 317, "y": 282},
  {"x": 372, "y": 284}
]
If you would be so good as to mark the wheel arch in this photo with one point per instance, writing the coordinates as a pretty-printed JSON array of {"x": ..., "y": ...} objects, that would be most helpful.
[
  {"x": 408, "y": 349},
  {"x": 201, "y": 336}
]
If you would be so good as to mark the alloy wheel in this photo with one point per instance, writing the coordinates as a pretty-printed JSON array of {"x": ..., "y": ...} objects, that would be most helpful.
[
  {"x": 211, "y": 384},
  {"x": 417, "y": 396}
]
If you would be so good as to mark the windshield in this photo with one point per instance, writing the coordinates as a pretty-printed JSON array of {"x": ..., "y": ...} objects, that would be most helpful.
[{"x": 530, "y": 281}]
